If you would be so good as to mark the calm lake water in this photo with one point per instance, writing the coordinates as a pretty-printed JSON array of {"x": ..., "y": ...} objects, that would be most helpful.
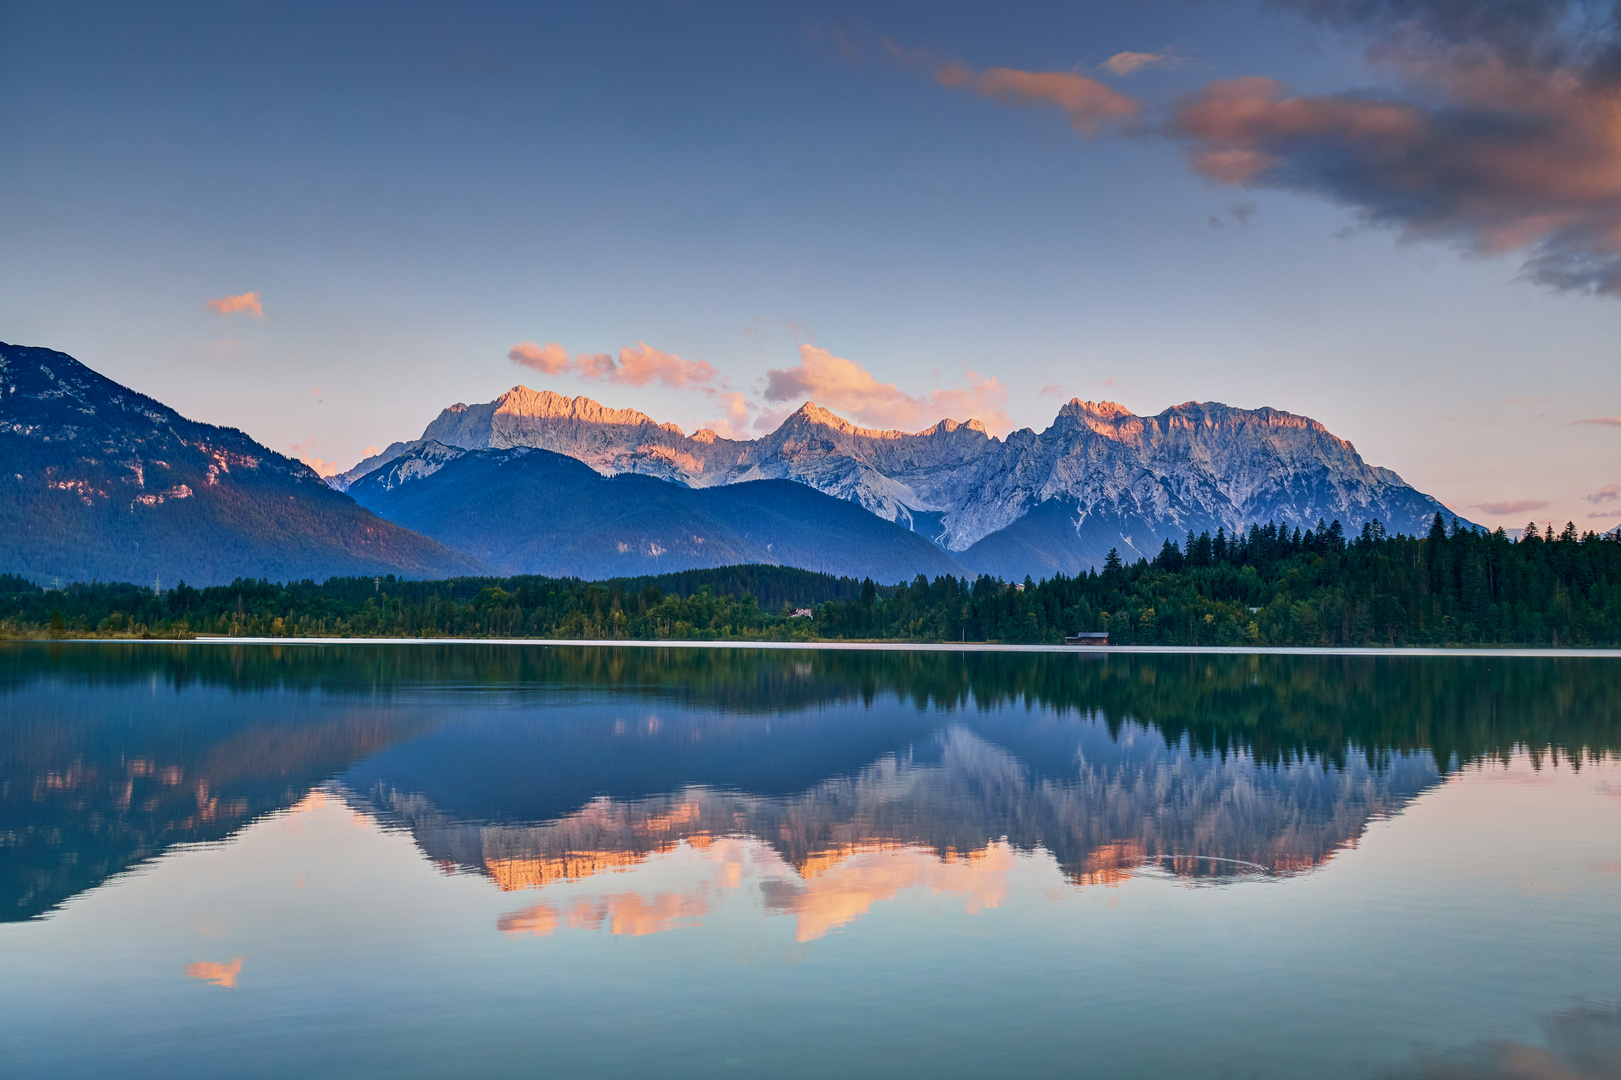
[{"x": 474, "y": 860}]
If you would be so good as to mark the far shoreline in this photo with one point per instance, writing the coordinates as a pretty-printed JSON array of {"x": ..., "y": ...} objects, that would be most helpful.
[{"x": 1506, "y": 652}]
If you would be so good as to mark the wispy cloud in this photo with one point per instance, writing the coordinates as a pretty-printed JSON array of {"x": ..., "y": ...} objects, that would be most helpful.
[
  {"x": 732, "y": 423},
  {"x": 1607, "y": 494},
  {"x": 1090, "y": 104},
  {"x": 1129, "y": 63},
  {"x": 1605, "y": 421},
  {"x": 1514, "y": 506},
  {"x": 247, "y": 303},
  {"x": 845, "y": 386},
  {"x": 637, "y": 365}
]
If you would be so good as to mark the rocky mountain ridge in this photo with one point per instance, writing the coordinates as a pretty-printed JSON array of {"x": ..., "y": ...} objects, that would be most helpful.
[{"x": 1034, "y": 502}]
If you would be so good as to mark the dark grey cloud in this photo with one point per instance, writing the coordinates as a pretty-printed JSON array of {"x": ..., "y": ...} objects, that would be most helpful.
[{"x": 1504, "y": 138}]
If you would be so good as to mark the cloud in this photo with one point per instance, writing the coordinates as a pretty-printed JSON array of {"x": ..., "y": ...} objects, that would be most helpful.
[
  {"x": 550, "y": 358},
  {"x": 845, "y": 386},
  {"x": 637, "y": 365},
  {"x": 322, "y": 468},
  {"x": 1607, "y": 493},
  {"x": 1089, "y": 103},
  {"x": 641, "y": 365},
  {"x": 1605, "y": 421},
  {"x": 1502, "y": 140},
  {"x": 1517, "y": 506},
  {"x": 1602, "y": 515},
  {"x": 734, "y": 418},
  {"x": 248, "y": 302},
  {"x": 1129, "y": 63}
]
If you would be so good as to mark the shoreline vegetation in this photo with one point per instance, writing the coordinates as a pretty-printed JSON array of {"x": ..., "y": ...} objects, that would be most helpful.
[{"x": 1269, "y": 587}]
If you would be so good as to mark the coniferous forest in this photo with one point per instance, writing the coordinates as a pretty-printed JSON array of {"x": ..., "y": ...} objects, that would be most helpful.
[{"x": 1269, "y": 586}]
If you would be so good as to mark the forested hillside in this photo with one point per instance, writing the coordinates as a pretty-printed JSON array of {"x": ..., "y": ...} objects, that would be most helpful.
[{"x": 1271, "y": 586}]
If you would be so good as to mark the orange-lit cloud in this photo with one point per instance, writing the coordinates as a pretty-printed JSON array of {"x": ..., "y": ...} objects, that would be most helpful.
[
  {"x": 637, "y": 365},
  {"x": 846, "y": 387},
  {"x": 641, "y": 364},
  {"x": 1516, "y": 506},
  {"x": 322, "y": 467},
  {"x": 246, "y": 302},
  {"x": 551, "y": 358},
  {"x": 1603, "y": 421},
  {"x": 215, "y": 973},
  {"x": 839, "y": 894},
  {"x": 1089, "y": 103}
]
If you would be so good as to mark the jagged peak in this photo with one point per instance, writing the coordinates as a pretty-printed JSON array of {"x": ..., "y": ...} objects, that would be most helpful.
[
  {"x": 548, "y": 405},
  {"x": 1216, "y": 410},
  {"x": 1107, "y": 410},
  {"x": 812, "y": 413}
]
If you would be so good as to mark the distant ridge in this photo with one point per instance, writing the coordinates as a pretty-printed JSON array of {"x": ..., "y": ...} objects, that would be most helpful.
[
  {"x": 1099, "y": 477},
  {"x": 101, "y": 482},
  {"x": 529, "y": 511}
]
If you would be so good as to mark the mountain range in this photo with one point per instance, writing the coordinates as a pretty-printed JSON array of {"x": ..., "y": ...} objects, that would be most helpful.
[
  {"x": 1033, "y": 503},
  {"x": 106, "y": 483}
]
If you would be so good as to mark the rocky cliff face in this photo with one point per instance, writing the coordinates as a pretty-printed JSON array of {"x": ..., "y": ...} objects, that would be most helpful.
[{"x": 1035, "y": 502}]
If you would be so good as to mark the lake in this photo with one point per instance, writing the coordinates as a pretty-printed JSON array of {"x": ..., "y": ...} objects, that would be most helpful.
[{"x": 429, "y": 860}]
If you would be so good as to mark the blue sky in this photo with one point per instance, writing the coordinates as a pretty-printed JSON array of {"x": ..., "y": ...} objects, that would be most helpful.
[{"x": 414, "y": 191}]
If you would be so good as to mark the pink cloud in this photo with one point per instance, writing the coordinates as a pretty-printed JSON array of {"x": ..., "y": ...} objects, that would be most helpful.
[
  {"x": 248, "y": 302},
  {"x": 734, "y": 418},
  {"x": 1607, "y": 493},
  {"x": 642, "y": 364},
  {"x": 637, "y": 365},
  {"x": 1604, "y": 421},
  {"x": 1089, "y": 103},
  {"x": 550, "y": 358},
  {"x": 1517, "y": 506},
  {"x": 843, "y": 385}
]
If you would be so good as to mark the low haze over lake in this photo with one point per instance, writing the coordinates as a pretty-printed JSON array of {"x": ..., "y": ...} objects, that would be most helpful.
[{"x": 518, "y": 860}]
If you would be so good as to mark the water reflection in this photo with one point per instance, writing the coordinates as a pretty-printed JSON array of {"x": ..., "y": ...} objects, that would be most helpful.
[
  {"x": 823, "y": 783},
  {"x": 1582, "y": 1044}
]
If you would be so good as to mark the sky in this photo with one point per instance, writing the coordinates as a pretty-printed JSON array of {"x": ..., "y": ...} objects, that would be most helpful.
[{"x": 324, "y": 223}]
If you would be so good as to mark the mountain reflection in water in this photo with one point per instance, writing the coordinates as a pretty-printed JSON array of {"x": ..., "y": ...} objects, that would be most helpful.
[{"x": 828, "y": 780}]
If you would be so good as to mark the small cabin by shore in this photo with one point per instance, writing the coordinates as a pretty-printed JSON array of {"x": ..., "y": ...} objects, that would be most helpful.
[{"x": 1090, "y": 637}]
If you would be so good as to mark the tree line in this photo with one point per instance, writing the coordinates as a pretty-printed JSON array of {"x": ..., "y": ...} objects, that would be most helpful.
[{"x": 1270, "y": 585}]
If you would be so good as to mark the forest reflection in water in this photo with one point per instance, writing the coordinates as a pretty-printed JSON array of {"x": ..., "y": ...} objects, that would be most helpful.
[{"x": 854, "y": 772}]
